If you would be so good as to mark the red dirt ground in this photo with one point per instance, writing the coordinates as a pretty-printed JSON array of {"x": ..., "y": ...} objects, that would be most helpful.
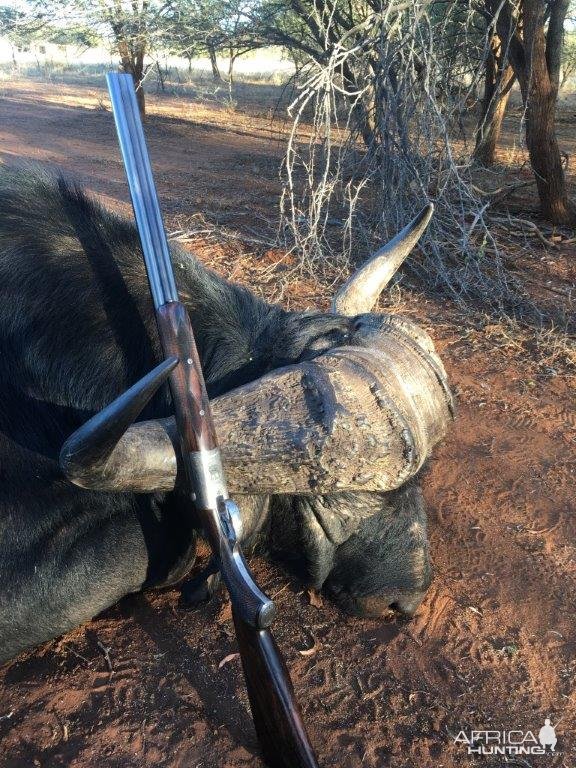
[{"x": 494, "y": 643}]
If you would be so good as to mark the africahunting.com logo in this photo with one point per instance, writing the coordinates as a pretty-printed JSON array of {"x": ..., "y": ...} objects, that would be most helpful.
[{"x": 512, "y": 742}]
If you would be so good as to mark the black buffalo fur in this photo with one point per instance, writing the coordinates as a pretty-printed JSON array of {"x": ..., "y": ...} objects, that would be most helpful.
[{"x": 77, "y": 329}]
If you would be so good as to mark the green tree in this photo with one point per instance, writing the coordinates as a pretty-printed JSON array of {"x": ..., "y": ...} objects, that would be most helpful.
[
  {"x": 196, "y": 27},
  {"x": 81, "y": 37},
  {"x": 19, "y": 29},
  {"x": 132, "y": 27},
  {"x": 193, "y": 28}
]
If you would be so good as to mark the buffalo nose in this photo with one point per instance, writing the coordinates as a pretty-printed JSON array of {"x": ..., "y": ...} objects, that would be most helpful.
[
  {"x": 408, "y": 603},
  {"x": 376, "y": 606}
]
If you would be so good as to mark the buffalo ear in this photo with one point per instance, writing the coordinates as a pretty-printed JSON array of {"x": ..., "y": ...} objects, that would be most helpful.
[
  {"x": 299, "y": 539},
  {"x": 320, "y": 551}
]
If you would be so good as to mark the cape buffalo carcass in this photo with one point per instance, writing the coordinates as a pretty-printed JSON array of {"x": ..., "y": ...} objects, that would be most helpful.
[{"x": 325, "y": 420}]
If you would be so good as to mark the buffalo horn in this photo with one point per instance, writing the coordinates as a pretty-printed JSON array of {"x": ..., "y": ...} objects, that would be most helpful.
[
  {"x": 355, "y": 418},
  {"x": 361, "y": 291},
  {"x": 87, "y": 457}
]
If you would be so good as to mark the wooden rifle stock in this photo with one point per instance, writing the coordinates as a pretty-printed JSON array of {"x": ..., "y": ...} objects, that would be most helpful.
[{"x": 277, "y": 719}]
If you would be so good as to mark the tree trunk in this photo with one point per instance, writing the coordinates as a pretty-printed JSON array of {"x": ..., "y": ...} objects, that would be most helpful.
[
  {"x": 361, "y": 116},
  {"x": 138, "y": 74},
  {"x": 545, "y": 154},
  {"x": 535, "y": 55},
  {"x": 216, "y": 76},
  {"x": 160, "y": 77},
  {"x": 231, "y": 63},
  {"x": 540, "y": 92},
  {"x": 141, "y": 100},
  {"x": 498, "y": 82},
  {"x": 133, "y": 64}
]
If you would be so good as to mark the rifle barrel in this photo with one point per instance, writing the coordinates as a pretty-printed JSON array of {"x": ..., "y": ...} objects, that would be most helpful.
[{"x": 142, "y": 190}]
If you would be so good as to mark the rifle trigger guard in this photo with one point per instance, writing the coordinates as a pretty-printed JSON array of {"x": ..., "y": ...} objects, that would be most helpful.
[{"x": 231, "y": 520}]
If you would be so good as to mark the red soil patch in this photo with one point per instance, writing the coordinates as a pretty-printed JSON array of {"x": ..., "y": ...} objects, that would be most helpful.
[{"x": 494, "y": 644}]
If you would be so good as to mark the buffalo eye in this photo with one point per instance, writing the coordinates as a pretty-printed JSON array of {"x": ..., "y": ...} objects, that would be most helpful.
[{"x": 336, "y": 337}]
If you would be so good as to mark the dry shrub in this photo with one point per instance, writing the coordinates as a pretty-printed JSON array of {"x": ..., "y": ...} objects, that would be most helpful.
[{"x": 363, "y": 161}]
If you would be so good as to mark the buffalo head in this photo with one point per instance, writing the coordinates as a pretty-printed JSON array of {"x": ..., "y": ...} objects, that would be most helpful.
[{"x": 325, "y": 450}]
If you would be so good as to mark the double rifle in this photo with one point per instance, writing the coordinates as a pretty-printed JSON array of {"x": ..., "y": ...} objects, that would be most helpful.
[{"x": 276, "y": 716}]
